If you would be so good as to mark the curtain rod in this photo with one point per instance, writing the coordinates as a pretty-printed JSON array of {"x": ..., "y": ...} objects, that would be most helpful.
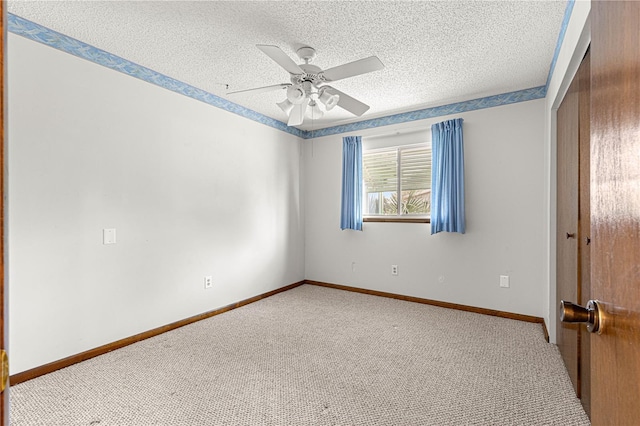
[{"x": 398, "y": 132}]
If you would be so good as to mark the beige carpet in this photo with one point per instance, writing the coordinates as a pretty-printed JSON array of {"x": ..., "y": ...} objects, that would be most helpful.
[{"x": 316, "y": 356}]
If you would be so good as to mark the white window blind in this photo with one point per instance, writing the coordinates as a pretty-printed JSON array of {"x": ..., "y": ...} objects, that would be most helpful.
[
  {"x": 381, "y": 171},
  {"x": 415, "y": 166},
  {"x": 400, "y": 173}
]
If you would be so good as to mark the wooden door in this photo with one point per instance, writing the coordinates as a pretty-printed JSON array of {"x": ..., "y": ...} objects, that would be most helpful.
[
  {"x": 584, "y": 228},
  {"x": 615, "y": 211},
  {"x": 4, "y": 399},
  {"x": 567, "y": 225}
]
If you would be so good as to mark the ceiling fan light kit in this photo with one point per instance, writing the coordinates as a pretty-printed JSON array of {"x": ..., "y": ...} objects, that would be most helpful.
[
  {"x": 285, "y": 106},
  {"x": 308, "y": 84},
  {"x": 315, "y": 111},
  {"x": 295, "y": 94},
  {"x": 328, "y": 99}
]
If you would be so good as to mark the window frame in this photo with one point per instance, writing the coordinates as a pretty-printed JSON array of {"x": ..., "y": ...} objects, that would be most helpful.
[{"x": 398, "y": 217}]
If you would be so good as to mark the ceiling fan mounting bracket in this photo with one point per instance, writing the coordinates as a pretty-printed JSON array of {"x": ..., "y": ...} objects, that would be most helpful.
[{"x": 306, "y": 53}]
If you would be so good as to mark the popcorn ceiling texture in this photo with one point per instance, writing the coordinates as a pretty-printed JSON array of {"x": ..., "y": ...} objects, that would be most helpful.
[{"x": 435, "y": 53}]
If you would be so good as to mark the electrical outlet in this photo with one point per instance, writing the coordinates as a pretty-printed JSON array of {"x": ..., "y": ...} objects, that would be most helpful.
[
  {"x": 504, "y": 281},
  {"x": 208, "y": 281},
  {"x": 394, "y": 269}
]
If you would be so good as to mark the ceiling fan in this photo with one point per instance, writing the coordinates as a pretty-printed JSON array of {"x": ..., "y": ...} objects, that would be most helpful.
[{"x": 308, "y": 88}]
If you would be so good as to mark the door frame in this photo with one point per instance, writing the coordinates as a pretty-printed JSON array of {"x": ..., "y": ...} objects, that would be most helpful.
[
  {"x": 582, "y": 43},
  {"x": 4, "y": 399}
]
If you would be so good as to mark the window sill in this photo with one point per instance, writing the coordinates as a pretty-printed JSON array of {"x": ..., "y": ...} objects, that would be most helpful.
[{"x": 397, "y": 219}]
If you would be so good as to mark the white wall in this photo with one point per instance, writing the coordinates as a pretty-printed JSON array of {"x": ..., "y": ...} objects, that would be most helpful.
[
  {"x": 505, "y": 210},
  {"x": 575, "y": 44},
  {"x": 90, "y": 148},
  {"x": 191, "y": 189}
]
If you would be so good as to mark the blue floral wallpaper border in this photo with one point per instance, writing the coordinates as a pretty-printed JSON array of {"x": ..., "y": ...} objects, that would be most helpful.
[
  {"x": 40, "y": 34},
  {"x": 36, "y": 32},
  {"x": 488, "y": 102},
  {"x": 563, "y": 31}
]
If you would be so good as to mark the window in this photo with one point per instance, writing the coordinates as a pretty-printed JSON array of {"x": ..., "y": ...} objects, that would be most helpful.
[{"x": 397, "y": 182}]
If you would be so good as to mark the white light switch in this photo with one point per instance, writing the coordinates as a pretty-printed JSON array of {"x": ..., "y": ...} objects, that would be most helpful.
[{"x": 109, "y": 236}]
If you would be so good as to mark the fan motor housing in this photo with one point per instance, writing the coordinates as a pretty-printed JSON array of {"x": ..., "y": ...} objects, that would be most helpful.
[{"x": 312, "y": 74}]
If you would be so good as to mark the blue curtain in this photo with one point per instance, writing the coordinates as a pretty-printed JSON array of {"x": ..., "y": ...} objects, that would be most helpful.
[
  {"x": 447, "y": 177},
  {"x": 351, "y": 211}
]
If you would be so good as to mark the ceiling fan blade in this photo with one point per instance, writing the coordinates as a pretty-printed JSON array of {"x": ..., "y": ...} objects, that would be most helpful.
[
  {"x": 262, "y": 89},
  {"x": 361, "y": 66},
  {"x": 281, "y": 58},
  {"x": 296, "y": 117},
  {"x": 348, "y": 103}
]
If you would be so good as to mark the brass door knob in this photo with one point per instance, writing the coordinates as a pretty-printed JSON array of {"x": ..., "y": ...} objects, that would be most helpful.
[{"x": 591, "y": 315}]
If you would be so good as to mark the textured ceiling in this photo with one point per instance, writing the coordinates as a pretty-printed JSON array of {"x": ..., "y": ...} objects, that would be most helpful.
[{"x": 434, "y": 52}]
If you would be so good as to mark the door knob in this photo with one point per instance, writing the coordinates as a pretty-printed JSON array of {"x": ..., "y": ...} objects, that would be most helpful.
[
  {"x": 591, "y": 315},
  {"x": 570, "y": 235}
]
